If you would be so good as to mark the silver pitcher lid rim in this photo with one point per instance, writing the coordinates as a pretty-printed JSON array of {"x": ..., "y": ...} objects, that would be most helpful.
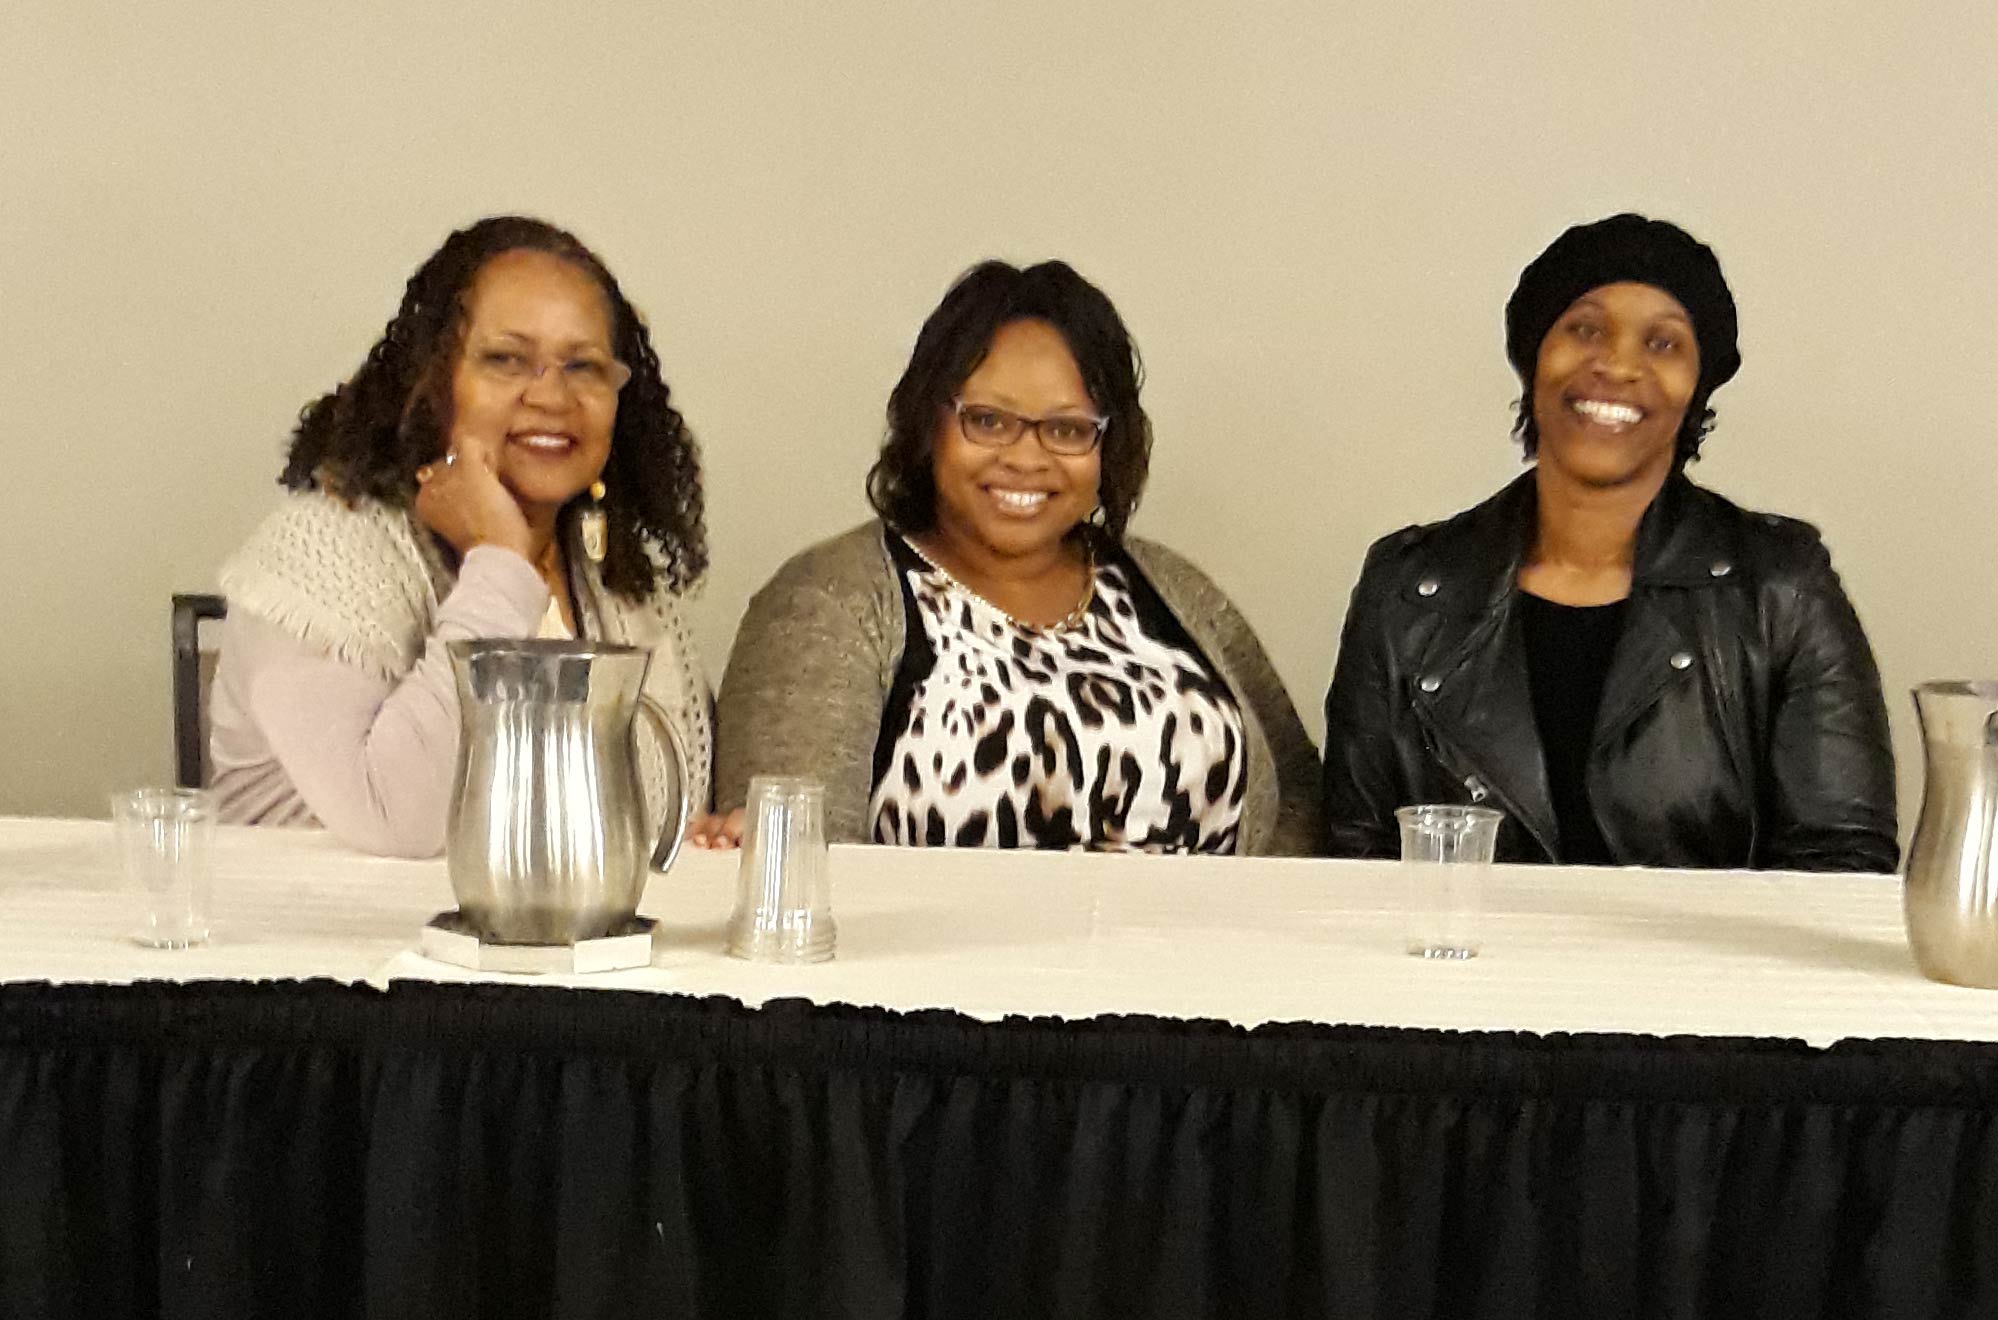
[
  {"x": 1984, "y": 689},
  {"x": 541, "y": 646}
]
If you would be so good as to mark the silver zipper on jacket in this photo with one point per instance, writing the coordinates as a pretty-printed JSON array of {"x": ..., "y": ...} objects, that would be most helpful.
[
  {"x": 1480, "y": 792},
  {"x": 1447, "y": 757}
]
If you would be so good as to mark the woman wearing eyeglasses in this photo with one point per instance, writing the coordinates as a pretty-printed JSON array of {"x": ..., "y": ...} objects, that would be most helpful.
[
  {"x": 994, "y": 663},
  {"x": 506, "y": 463}
]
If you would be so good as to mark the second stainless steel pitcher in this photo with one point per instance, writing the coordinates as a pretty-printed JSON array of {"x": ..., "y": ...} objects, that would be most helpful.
[
  {"x": 547, "y": 839},
  {"x": 1951, "y": 906}
]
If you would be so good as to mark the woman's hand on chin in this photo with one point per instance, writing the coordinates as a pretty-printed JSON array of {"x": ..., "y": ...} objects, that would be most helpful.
[
  {"x": 715, "y": 831},
  {"x": 462, "y": 500}
]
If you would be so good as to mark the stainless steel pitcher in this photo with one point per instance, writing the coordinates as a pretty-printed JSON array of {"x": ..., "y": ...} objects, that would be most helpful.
[
  {"x": 1950, "y": 896},
  {"x": 547, "y": 839}
]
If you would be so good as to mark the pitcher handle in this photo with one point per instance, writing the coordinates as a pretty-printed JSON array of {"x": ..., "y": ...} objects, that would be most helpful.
[{"x": 678, "y": 813}]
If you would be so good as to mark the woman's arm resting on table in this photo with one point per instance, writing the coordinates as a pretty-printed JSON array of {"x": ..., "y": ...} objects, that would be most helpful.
[{"x": 1831, "y": 761}]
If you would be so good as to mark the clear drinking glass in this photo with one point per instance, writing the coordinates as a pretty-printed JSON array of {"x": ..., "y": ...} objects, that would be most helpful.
[
  {"x": 1446, "y": 855},
  {"x": 167, "y": 837},
  {"x": 783, "y": 907}
]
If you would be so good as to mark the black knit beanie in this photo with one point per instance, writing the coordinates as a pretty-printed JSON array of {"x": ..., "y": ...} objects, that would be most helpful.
[{"x": 1613, "y": 251}]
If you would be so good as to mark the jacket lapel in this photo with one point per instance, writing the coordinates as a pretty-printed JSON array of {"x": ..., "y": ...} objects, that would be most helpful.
[
  {"x": 1650, "y": 656},
  {"x": 1681, "y": 548},
  {"x": 1470, "y": 686},
  {"x": 1482, "y": 714}
]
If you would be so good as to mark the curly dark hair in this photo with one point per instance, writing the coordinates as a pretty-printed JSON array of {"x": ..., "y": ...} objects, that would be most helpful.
[
  {"x": 368, "y": 436},
  {"x": 902, "y": 483}
]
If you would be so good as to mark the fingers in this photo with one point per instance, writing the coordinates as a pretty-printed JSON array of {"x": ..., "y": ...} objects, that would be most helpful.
[
  {"x": 476, "y": 446},
  {"x": 463, "y": 498},
  {"x": 716, "y": 832}
]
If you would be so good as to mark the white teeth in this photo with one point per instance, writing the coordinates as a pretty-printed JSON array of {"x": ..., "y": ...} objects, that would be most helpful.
[
  {"x": 1026, "y": 501},
  {"x": 1609, "y": 414},
  {"x": 542, "y": 441}
]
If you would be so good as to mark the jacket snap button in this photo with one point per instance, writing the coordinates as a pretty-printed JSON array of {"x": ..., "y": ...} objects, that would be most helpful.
[
  {"x": 1427, "y": 587},
  {"x": 1681, "y": 660},
  {"x": 1430, "y": 683},
  {"x": 1721, "y": 568}
]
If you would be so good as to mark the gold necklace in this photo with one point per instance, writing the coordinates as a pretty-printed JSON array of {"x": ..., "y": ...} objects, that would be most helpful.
[{"x": 1072, "y": 619}]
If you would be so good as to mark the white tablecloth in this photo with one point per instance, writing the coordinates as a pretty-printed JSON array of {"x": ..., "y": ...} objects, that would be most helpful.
[{"x": 1073, "y": 935}]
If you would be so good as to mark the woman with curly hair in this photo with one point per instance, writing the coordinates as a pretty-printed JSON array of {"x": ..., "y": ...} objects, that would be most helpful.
[
  {"x": 994, "y": 663},
  {"x": 507, "y": 462}
]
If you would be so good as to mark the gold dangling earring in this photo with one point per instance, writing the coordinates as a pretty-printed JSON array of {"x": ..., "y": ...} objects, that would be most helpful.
[{"x": 591, "y": 522}]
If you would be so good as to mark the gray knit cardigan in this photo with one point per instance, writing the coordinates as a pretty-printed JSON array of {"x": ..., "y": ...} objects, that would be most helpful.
[{"x": 817, "y": 652}]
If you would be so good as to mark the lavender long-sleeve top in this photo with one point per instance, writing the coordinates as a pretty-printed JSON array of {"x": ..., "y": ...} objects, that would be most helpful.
[{"x": 298, "y": 737}]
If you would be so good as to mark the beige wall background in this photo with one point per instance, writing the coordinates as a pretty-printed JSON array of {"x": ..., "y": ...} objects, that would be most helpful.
[{"x": 1310, "y": 215}]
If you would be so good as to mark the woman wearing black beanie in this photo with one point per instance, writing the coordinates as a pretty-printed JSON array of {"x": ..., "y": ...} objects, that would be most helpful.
[{"x": 1634, "y": 670}]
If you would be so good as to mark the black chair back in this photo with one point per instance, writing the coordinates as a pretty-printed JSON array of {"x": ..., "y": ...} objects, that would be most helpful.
[{"x": 190, "y": 687}]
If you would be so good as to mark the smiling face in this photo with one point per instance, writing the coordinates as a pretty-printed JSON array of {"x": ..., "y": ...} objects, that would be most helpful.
[
  {"x": 1611, "y": 386},
  {"x": 1018, "y": 499},
  {"x": 552, "y": 431}
]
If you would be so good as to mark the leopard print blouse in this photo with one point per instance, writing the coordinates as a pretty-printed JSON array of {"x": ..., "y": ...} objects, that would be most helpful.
[{"x": 1112, "y": 733}]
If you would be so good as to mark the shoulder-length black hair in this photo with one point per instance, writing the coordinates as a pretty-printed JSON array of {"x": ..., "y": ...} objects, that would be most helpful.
[
  {"x": 368, "y": 436},
  {"x": 902, "y": 483}
]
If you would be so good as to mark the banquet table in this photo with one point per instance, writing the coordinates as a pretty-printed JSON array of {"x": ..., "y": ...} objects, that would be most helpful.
[{"x": 1028, "y": 1084}]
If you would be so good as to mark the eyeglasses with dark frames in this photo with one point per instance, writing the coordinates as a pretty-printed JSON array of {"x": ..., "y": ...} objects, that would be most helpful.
[{"x": 1066, "y": 434}]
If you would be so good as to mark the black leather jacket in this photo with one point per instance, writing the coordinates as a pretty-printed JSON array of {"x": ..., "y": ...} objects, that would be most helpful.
[{"x": 1741, "y": 722}]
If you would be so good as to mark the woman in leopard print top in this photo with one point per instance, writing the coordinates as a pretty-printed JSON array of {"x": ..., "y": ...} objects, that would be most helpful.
[{"x": 994, "y": 663}]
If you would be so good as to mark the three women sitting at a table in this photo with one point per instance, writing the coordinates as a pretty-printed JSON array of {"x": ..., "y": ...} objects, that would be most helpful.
[{"x": 1631, "y": 668}]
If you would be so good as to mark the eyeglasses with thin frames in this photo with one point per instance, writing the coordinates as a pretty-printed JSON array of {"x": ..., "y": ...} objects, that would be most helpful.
[
  {"x": 588, "y": 374},
  {"x": 1066, "y": 434}
]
